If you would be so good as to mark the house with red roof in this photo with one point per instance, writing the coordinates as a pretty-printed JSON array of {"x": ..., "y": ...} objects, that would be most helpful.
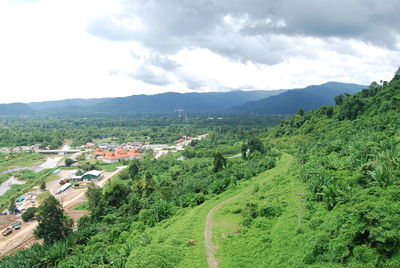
[
  {"x": 118, "y": 155},
  {"x": 99, "y": 152},
  {"x": 89, "y": 145}
]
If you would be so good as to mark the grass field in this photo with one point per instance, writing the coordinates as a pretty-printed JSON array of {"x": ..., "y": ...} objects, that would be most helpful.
[
  {"x": 9, "y": 161},
  {"x": 31, "y": 179}
]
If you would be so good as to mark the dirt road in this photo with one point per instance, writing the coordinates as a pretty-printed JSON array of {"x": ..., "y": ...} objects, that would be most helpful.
[
  {"x": 210, "y": 249},
  {"x": 22, "y": 238},
  {"x": 18, "y": 239}
]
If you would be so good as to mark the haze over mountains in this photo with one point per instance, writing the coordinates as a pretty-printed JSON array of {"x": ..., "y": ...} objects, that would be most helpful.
[{"x": 254, "y": 102}]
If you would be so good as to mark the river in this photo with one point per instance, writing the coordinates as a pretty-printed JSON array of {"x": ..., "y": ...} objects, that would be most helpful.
[{"x": 5, "y": 186}]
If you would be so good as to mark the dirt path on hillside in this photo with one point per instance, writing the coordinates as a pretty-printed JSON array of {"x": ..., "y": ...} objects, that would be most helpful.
[{"x": 210, "y": 249}]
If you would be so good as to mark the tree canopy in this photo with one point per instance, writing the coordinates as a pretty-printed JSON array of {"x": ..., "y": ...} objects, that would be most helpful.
[{"x": 53, "y": 224}]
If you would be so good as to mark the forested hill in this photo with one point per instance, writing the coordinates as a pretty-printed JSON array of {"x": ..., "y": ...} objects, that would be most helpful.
[
  {"x": 15, "y": 109},
  {"x": 257, "y": 101},
  {"x": 59, "y": 104},
  {"x": 307, "y": 99},
  {"x": 171, "y": 101},
  {"x": 138, "y": 104},
  {"x": 348, "y": 155}
]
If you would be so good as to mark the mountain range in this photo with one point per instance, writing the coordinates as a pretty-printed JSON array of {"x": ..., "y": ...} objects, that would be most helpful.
[
  {"x": 255, "y": 102},
  {"x": 308, "y": 98}
]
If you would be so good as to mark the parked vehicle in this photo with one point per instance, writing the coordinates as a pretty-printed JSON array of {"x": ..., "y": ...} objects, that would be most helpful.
[
  {"x": 63, "y": 188},
  {"x": 64, "y": 181},
  {"x": 7, "y": 231},
  {"x": 17, "y": 226}
]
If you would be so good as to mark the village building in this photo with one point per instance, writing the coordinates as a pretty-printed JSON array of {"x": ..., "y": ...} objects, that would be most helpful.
[
  {"x": 89, "y": 145},
  {"x": 92, "y": 175},
  {"x": 184, "y": 138},
  {"x": 99, "y": 152},
  {"x": 116, "y": 156}
]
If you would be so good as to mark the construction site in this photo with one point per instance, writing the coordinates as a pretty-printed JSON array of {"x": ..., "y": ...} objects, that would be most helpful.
[{"x": 17, "y": 234}]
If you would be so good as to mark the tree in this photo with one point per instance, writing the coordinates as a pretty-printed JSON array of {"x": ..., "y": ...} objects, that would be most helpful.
[
  {"x": 397, "y": 74},
  {"x": 95, "y": 201},
  {"x": 245, "y": 147},
  {"x": 116, "y": 193},
  {"x": 133, "y": 170},
  {"x": 300, "y": 112},
  {"x": 53, "y": 224},
  {"x": 88, "y": 166},
  {"x": 255, "y": 144},
  {"x": 219, "y": 162},
  {"x": 149, "y": 184},
  {"x": 68, "y": 162},
  {"x": 12, "y": 206},
  {"x": 339, "y": 99},
  {"x": 29, "y": 214},
  {"x": 43, "y": 186},
  {"x": 145, "y": 186}
]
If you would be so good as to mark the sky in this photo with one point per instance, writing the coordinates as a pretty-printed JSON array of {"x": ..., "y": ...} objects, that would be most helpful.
[{"x": 58, "y": 49}]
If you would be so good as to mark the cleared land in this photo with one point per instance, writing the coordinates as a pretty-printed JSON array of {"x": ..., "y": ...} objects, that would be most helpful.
[{"x": 19, "y": 239}]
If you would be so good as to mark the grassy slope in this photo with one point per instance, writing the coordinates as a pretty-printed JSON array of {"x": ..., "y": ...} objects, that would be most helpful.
[
  {"x": 268, "y": 240},
  {"x": 189, "y": 224}
]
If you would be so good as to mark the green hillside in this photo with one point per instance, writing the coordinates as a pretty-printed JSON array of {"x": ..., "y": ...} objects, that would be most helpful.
[
  {"x": 15, "y": 109},
  {"x": 167, "y": 102},
  {"x": 339, "y": 204},
  {"x": 311, "y": 97}
]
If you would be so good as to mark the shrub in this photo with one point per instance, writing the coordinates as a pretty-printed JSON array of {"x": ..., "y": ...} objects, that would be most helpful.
[
  {"x": 364, "y": 254},
  {"x": 69, "y": 162},
  {"x": 29, "y": 214},
  {"x": 155, "y": 256}
]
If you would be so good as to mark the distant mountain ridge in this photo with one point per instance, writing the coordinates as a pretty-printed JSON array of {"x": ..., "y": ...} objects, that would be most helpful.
[
  {"x": 171, "y": 101},
  {"x": 15, "y": 109},
  {"x": 254, "y": 102},
  {"x": 308, "y": 98},
  {"x": 136, "y": 104},
  {"x": 45, "y": 105}
]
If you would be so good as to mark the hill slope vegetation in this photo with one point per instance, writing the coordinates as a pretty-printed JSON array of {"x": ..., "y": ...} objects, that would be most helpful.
[
  {"x": 308, "y": 98},
  {"x": 15, "y": 109},
  {"x": 152, "y": 104}
]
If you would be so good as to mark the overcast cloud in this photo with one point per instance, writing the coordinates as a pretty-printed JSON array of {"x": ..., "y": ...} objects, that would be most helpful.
[{"x": 56, "y": 49}]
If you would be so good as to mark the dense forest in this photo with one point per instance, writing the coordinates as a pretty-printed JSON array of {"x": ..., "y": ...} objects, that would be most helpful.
[
  {"x": 53, "y": 131},
  {"x": 348, "y": 156}
]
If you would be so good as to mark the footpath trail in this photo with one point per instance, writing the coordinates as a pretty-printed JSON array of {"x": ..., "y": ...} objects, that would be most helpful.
[
  {"x": 211, "y": 260},
  {"x": 282, "y": 166}
]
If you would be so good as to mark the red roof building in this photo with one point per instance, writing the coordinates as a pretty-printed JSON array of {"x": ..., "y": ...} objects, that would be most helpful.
[
  {"x": 89, "y": 145},
  {"x": 99, "y": 152},
  {"x": 119, "y": 154}
]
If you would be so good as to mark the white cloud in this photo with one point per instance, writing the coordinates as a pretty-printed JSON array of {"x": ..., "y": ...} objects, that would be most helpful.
[{"x": 49, "y": 50}]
